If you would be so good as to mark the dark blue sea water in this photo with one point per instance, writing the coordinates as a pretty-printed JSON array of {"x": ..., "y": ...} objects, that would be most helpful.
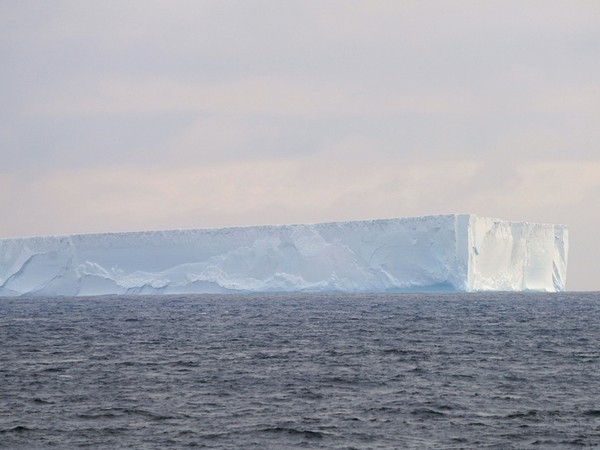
[{"x": 301, "y": 371}]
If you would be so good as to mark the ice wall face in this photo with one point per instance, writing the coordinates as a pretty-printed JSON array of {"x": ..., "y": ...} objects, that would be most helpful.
[
  {"x": 516, "y": 256},
  {"x": 450, "y": 252}
]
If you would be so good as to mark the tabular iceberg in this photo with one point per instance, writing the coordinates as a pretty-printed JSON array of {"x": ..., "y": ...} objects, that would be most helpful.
[{"x": 448, "y": 252}]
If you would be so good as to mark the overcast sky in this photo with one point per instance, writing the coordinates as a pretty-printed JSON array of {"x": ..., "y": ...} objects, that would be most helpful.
[{"x": 132, "y": 115}]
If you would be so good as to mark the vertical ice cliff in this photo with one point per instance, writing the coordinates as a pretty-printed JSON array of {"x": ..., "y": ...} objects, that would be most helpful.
[
  {"x": 516, "y": 256},
  {"x": 449, "y": 252}
]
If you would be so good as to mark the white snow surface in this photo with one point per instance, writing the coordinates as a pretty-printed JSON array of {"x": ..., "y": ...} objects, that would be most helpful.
[{"x": 448, "y": 252}]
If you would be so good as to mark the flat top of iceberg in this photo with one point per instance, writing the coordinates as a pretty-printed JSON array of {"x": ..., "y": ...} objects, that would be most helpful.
[{"x": 281, "y": 225}]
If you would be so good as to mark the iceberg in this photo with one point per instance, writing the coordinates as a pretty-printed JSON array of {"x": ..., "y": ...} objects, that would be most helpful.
[{"x": 458, "y": 252}]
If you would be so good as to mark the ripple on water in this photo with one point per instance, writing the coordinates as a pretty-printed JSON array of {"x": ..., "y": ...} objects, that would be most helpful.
[{"x": 314, "y": 371}]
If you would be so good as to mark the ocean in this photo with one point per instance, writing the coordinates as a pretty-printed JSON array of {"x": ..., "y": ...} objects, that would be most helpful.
[{"x": 380, "y": 371}]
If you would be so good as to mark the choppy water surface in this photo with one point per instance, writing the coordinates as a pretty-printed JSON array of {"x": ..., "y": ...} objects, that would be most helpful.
[{"x": 375, "y": 371}]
